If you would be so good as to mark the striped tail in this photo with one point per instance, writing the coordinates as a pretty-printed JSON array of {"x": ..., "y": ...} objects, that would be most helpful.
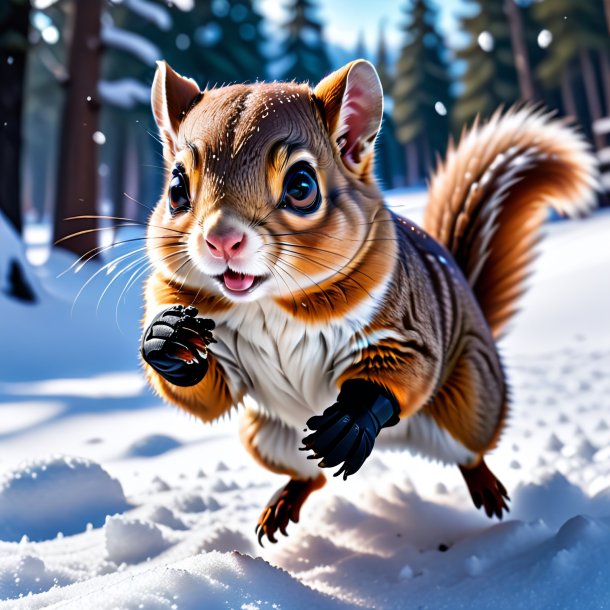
[{"x": 490, "y": 197}]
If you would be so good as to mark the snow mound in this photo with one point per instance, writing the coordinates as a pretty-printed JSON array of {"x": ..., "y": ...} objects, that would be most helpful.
[
  {"x": 57, "y": 495},
  {"x": 155, "y": 444},
  {"x": 17, "y": 280},
  {"x": 189, "y": 502},
  {"x": 164, "y": 516},
  {"x": 554, "y": 500},
  {"x": 27, "y": 573},
  {"x": 213, "y": 580},
  {"x": 132, "y": 540}
]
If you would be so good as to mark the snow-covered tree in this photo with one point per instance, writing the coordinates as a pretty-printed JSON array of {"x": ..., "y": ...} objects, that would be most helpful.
[
  {"x": 133, "y": 33},
  {"x": 422, "y": 101},
  {"x": 579, "y": 37},
  {"x": 221, "y": 42},
  {"x": 381, "y": 61},
  {"x": 490, "y": 79},
  {"x": 360, "y": 51},
  {"x": 303, "y": 51}
]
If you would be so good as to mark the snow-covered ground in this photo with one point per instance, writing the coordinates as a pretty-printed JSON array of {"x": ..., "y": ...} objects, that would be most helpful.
[{"x": 81, "y": 437}]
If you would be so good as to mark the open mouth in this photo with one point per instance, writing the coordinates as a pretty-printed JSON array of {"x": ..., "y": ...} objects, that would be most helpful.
[{"x": 239, "y": 283}]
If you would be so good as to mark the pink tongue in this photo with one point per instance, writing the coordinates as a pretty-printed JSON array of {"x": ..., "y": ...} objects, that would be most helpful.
[{"x": 237, "y": 281}]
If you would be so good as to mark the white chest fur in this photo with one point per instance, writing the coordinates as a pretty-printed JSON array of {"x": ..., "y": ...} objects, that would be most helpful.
[{"x": 290, "y": 368}]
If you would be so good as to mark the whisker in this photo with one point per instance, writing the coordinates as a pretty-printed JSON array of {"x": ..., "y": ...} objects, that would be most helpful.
[
  {"x": 279, "y": 274},
  {"x": 306, "y": 247},
  {"x": 131, "y": 220},
  {"x": 136, "y": 275},
  {"x": 103, "y": 268},
  {"x": 303, "y": 257},
  {"x": 175, "y": 274},
  {"x": 146, "y": 207},
  {"x": 116, "y": 276},
  {"x": 114, "y": 243},
  {"x": 100, "y": 249},
  {"x": 270, "y": 268},
  {"x": 328, "y": 299},
  {"x": 345, "y": 275}
]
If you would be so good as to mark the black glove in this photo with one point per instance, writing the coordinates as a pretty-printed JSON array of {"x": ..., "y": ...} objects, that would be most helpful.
[
  {"x": 175, "y": 345},
  {"x": 347, "y": 430}
]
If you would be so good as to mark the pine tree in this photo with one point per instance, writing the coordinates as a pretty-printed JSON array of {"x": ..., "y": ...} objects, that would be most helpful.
[
  {"x": 381, "y": 62},
  {"x": 421, "y": 92},
  {"x": 47, "y": 73},
  {"x": 519, "y": 41},
  {"x": 303, "y": 50},
  {"x": 14, "y": 23},
  {"x": 360, "y": 51},
  {"x": 228, "y": 40},
  {"x": 490, "y": 79},
  {"x": 578, "y": 30},
  {"x": 133, "y": 34}
]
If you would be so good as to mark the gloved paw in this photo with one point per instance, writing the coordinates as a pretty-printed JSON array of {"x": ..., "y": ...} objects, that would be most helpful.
[
  {"x": 175, "y": 345},
  {"x": 345, "y": 433}
]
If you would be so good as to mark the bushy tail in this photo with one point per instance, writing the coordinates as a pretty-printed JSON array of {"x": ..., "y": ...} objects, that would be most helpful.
[{"x": 489, "y": 198}]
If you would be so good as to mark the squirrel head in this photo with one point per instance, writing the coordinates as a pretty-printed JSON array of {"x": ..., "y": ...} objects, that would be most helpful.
[{"x": 270, "y": 188}]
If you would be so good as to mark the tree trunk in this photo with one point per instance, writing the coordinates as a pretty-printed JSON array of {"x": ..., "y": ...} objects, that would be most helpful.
[
  {"x": 426, "y": 155},
  {"x": 591, "y": 93},
  {"x": 607, "y": 10},
  {"x": 77, "y": 172},
  {"x": 412, "y": 162},
  {"x": 604, "y": 63},
  {"x": 567, "y": 94},
  {"x": 12, "y": 76},
  {"x": 517, "y": 38}
]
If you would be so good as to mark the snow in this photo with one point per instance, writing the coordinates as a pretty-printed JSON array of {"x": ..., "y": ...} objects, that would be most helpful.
[
  {"x": 11, "y": 250},
  {"x": 155, "y": 13},
  {"x": 69, "y": 493},
  {"x": 123, "y": 93},
  {"x": 135, "y": 504},
  {"x": 131, "y": 42}
]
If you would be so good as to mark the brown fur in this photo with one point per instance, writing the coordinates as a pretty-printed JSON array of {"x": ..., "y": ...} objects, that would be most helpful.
[
  {"x": 489, "y": 199},
  {"x": 449, "y": 289}
]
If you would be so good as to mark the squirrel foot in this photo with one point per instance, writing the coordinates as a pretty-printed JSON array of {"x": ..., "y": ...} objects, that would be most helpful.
[
  {"x": 485, "y": 489},
  {"x": 285, "y": 506}
]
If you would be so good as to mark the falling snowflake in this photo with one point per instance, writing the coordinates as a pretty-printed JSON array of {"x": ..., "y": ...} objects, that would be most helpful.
[
  {"x": 440, "y": 108},
  {"x": 486, "y": 41},
  {"x": 545, "y": 38},
  {"x": 99, "y": 138}
]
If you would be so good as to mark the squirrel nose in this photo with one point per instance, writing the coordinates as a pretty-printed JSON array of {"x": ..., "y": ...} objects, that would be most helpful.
[{"x": 226, "y": 244}]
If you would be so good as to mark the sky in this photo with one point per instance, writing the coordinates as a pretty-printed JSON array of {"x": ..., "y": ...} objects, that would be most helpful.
[{"x": 345, "y": 19}]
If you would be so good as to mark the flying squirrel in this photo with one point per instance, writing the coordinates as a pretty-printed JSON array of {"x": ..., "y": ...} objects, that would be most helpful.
[{"x": 279, "y": 272}]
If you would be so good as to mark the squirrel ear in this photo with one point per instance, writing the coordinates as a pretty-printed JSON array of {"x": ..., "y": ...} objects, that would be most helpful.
[
  {"x": 353, "y": 107},
  {"x": 171, "y": 97}
]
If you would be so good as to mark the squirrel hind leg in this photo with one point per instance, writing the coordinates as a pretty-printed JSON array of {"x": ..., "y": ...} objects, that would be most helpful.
[
  {"x": 486, "y": 489},
  {"x": 284, "y": 506}
]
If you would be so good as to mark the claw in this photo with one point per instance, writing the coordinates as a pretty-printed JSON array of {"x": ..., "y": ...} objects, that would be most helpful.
[
  {"x": 486, "y": 490},
  {"x": 285, "y": 506}
]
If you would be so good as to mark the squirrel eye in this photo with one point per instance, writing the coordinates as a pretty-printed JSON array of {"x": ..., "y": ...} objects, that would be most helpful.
[
  {"x": 178, "y": 196},
  {"x": 301, "y": 192}
]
